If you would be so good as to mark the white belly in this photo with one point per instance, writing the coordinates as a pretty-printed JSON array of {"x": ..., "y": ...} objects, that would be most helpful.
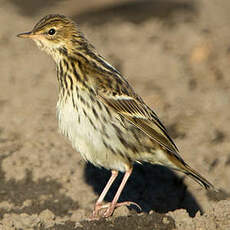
[
  {"x": 85, "y": 131},
  {"x": 97, "y": 137}
]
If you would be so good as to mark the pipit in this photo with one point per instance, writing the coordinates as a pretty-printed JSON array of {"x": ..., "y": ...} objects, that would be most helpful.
[{"x": 100, "y": 113}]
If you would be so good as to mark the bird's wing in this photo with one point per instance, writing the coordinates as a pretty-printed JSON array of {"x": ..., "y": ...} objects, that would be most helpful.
[{"x": 121, "y": 98}]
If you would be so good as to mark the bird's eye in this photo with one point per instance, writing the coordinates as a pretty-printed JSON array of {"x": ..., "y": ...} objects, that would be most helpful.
[{"x": 52, "y": 31}]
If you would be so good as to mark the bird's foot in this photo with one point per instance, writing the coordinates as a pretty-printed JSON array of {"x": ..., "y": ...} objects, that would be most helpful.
[
  {"x": 110, "y": 207},
  {"x": 97, "y": 214}
]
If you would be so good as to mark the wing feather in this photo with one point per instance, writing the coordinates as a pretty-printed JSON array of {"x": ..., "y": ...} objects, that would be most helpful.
[
  {"x": 141, "y": 116},
  {"x": 114, "y": 91}
]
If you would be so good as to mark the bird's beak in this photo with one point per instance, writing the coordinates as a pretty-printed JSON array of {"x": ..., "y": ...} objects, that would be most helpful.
[{"x": 25, "y": 35}]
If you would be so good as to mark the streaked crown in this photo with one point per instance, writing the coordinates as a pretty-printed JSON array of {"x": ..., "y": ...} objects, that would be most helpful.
[{"x": 56, "y": 32}]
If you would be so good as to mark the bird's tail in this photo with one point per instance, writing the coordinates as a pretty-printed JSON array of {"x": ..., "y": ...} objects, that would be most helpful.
[
  {"x": 198, "y": 178},
  {"x": 185, "y": 168}
]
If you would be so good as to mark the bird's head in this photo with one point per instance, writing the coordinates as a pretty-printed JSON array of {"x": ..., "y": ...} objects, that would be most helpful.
[{"x": 55, "y": 34}]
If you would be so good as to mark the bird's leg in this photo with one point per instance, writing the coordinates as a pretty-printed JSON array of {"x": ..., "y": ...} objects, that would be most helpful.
[
  {"x": 114, "y": 204},
  {"x": 98, "y": 206}
]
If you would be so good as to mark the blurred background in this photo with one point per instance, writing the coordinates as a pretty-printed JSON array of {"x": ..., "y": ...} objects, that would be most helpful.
[{"x": 175, "y": 53}]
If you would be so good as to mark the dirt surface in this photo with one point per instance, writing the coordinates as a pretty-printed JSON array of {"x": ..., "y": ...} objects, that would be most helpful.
[{"x": 176, "y": 54}]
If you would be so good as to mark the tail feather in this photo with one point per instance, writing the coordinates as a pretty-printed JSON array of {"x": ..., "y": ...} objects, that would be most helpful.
[
  {"x": 186, "y": 169},
  {"x": 198, "y": 178}
]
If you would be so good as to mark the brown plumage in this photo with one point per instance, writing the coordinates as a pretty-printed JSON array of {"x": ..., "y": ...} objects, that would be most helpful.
[{"x": 106, "y": 121}]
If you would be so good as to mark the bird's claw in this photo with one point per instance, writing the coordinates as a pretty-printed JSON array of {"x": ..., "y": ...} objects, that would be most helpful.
[{"x": 109, "y": 209}]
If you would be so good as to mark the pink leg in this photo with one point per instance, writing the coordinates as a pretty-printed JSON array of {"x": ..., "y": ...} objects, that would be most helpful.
[
  {"x": 98, "y": 204},
  {"x": 114, "y": 203}
]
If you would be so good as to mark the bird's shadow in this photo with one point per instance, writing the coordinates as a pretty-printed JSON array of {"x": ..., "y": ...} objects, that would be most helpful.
[{"x": 153, "y": 187}]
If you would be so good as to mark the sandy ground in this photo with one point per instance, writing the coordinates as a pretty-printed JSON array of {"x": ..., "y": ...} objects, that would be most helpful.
[{"x": 176, "y": 54}]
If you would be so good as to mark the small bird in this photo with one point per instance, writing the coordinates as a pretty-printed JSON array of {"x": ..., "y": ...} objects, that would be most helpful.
[{"x": 100, "y": 113}]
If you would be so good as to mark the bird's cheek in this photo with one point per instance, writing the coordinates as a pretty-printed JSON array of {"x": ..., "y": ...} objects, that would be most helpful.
[{"x": 39, "y": 43}]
